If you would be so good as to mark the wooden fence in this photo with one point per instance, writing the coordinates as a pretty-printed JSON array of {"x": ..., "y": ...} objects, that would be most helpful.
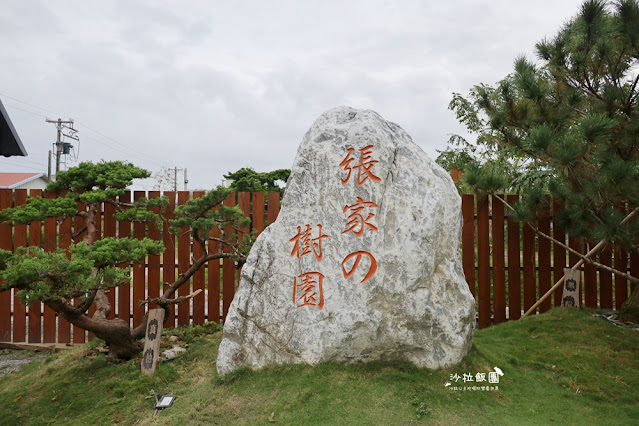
[{"x": 507, "y": 268}]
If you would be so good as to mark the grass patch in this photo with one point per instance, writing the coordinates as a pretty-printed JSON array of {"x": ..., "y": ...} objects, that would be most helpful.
[{"x": 564, "y": 366}]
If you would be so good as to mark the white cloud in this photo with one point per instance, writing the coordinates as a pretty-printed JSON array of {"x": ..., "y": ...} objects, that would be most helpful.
[{"x": 215, "y": 86}]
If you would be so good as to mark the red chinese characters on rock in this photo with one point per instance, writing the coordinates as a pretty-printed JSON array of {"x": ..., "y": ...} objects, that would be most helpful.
[
  {"x": 308, "y": 290},
  {"x": 357, "y": 223},
  {"x": 358, "y": 257},
  {"x": 364, "y": 166},
  {"x": 304, "y": 243},
  {"x": 308, "y": 287}
]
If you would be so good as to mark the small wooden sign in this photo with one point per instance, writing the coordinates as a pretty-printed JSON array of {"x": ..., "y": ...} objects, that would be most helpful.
[
  {"x": 570, "y": 298},
  {"x": 151, "y": 353}
]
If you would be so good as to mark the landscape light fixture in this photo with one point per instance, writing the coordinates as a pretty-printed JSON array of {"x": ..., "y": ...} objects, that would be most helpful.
[{"x": 162, "y": 402}]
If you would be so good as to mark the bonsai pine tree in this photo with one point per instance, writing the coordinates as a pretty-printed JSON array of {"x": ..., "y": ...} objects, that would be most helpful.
[
  {"x": 91, "y": 266},
  {"x": 247, "y": 179},
  {"x": 571, "y": 119}
]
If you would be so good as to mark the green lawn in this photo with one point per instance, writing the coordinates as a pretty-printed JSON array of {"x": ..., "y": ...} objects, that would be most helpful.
[{"x": 563, "y": 367}]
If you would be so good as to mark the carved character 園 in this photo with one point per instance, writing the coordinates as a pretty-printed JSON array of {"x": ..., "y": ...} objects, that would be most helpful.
[
  {"x": 568, "y": 301},
  {"x": 308, "y": 290}
]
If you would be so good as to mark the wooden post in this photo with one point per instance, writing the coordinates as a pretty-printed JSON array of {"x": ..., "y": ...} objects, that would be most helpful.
[
  {"x": 499, "y": 264},
  {"x": 468, "y": 240},
  {"x": 594, "y": 250},
  {"x": 151, "y": 353},
  {"x": 483, "y": 261},
  {"x": 570, "y": 298}
]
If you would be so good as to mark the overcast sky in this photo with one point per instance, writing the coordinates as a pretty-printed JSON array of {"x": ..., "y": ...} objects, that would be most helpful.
[{"x": 214, "y": 86}]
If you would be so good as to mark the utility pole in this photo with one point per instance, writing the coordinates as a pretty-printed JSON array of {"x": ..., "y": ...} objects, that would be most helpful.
[
  {"x": 175, "y": 178},
  {"x": 59, "y": 144},
  {"x": 49, "y": 169}
]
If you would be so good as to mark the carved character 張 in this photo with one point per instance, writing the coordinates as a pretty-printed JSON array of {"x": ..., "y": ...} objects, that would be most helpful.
[{"x": 364, "y": 167}]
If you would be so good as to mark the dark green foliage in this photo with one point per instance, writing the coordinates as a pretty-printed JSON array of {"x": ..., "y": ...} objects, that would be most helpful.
[
  {"x": 111, "y": 251},
  {"x": 572, "y": 119},
  {"x": 39, "y": 208},
  {"x": 248, "y": 180},
  {"x": 88, "y": 265},
  {"x": 201, "y": 215},
  {"x": 570, "y": 124},
  {"x": 106, "y": 179},
  {"x": 40, "y": 275}
]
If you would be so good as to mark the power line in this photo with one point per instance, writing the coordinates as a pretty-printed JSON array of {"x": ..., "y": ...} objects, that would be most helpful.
[
  {"x": 30, "y": 112},
  {"x": 21, "y": 166},
  {"x": 128, "y": 152},
  {"x": 128, "y": 148},
  {"x": 32, "y": 105},
  {"x": 146, "y": 156}
]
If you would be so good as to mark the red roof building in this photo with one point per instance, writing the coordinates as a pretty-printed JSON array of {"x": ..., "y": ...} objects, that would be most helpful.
[{"x": 23, "y": 180}]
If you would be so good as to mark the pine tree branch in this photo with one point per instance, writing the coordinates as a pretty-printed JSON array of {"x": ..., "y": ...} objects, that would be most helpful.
[
  {"x": 77, "y": 234},
  {"x": 163, "y": 302},
  {"x": 573, "y": 251}
]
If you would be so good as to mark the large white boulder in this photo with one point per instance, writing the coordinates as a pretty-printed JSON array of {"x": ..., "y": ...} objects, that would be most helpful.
[{"x": 363, "y": 262}]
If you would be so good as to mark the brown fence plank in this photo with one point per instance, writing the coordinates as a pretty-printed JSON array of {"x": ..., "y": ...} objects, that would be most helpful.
[
  {"x": 530, "y": 287},
  {"x": 544, "y": 274},
  {"x": 499, "y": 261},
  {"x": 258, "y": 212},
  {"x": 244, "y": 203},
  {"x": 168, "y": 257},
  {"x": 214, "y": 279},
  {"x": 558, "y": 252},
  {"x": 50, "y": 244},
  {"x": 605, "y": 279},
  {"x": 184, "y": 262},
  {"x": 198, "y": 279},
  {"x": 109, "y": 231},
  {"x": 79, "y": 334},
  {"x": 65, "y": 236},
  {"x": 153, "y": 273},
  {"x": 514, "y": 265},
  {"x": 590, "y": 282},
  {"x": 468, "y": 240},
  {"x": 634, "y": 269},
  {"x": 19, "y": 240},
  {"x": 139, "y": 276},
  {"x": 273, "y": 206},
  {"x": 483, "y": 261},
  {"x": 98, "y": 223},
  {"x": 98, "y": 236},
  {"x": 621, "y": 284},
  {"x": 228, "y": 268},
  {"x": 124, "y": 290},
  {"x": 6, "y": 201},
  {"x": 35, "y": 310}
]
